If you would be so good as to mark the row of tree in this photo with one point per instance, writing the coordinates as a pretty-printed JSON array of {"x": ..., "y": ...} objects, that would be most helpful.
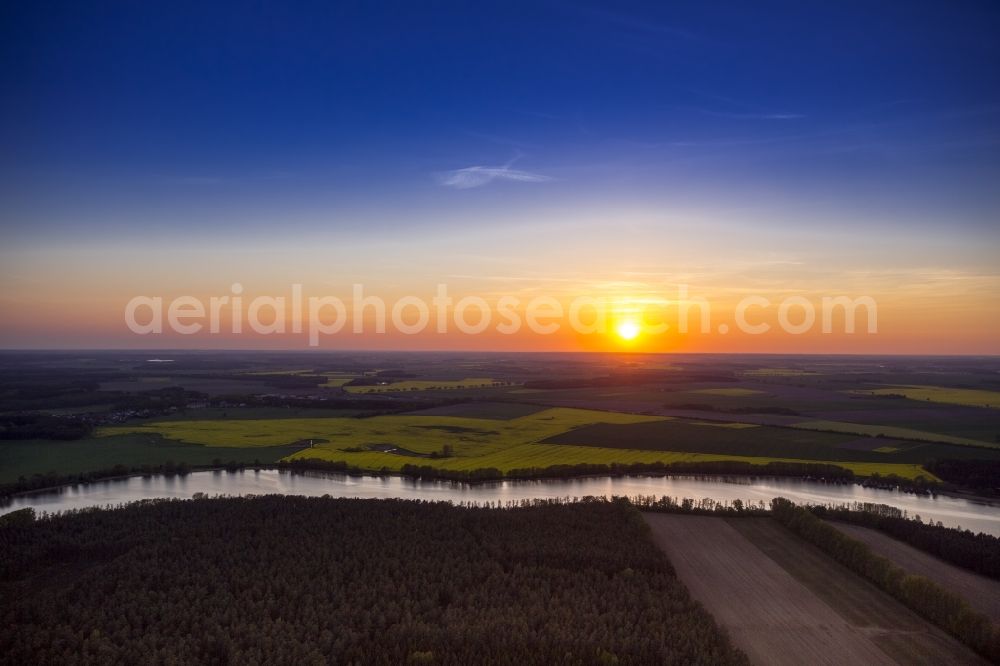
[
  {"x": 946, "y": 609},
  {"x": 42, "y": 426},
  {"x": 370, "y": 405},
  {"x": 37, "y": 482},
  {"x": 813, "y": 471},
  {"x": 320, "y": 580},
  {"x": 979, "y": 552},
  {"x": 631, "y": 378},
  {"x": 981, "y": 476}
]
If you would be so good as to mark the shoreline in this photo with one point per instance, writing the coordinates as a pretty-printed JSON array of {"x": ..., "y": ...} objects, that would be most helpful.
[{"x": 929, "y": 493}]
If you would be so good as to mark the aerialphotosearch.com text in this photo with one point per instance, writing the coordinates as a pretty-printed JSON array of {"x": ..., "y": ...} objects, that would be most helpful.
[{"x": 316, "y": 317}]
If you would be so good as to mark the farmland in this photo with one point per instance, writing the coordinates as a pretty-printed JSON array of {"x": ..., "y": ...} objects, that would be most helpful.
[
  {"x": 421, "y": 385},
  {"x": 871, "y": 430},
  {"x": 539, "y": 439},
  {"x": 21, "y": 458},
  {"x": 685, "y": 435},
  {"x": 381, "y": 411},
  {"x": 948, "y": 396},
  {"x": 729, "y": 391},
  {"x": 483, "y": 410},
  {"x": 783, "y": 601},
  {"x": 981, "y": 593},
  {"x": 479, "y": 416},
  {"x": 778, "y": 372},
  {"x": 424, "y": 434}
]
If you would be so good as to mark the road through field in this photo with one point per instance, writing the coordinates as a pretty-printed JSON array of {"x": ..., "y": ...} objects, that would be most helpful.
[
  {"x": 783, "y": 601},
  {"x": 982, "y": 593}
]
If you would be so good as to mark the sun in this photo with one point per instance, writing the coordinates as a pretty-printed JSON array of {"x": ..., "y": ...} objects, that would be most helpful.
[{"x": 627, "y": 330}]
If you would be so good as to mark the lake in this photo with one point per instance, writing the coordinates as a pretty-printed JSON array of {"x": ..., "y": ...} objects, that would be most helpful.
[{"x": 953, "y": 512}]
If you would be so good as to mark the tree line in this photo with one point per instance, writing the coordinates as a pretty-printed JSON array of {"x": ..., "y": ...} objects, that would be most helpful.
[
  {"x": 631, "y": 378},
  {"x": 43, "y": 426},
  {"x": 811, "y": 471},
  {"x": 300, "y": 580},
  {"x": 814, "y": 471},
  {"x": 981, "y": 476},
  {"x": 946, "y": 609},
  {"x": 979, "y": 552}
]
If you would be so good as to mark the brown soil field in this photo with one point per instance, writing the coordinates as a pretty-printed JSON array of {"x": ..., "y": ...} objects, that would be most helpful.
[
  {"x": 982, "y": 593},
  {"x": 782, "y": 601}
]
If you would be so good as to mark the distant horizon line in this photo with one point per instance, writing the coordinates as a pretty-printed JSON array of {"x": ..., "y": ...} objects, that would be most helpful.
[{"x": 315, "y": 351}]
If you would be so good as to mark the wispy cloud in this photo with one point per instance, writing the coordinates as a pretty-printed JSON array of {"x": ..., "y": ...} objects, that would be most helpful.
[{"x": 477, "y": 176}]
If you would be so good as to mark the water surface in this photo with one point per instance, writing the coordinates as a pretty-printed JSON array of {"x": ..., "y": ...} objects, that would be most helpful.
[{"x": 953, "y": 512}]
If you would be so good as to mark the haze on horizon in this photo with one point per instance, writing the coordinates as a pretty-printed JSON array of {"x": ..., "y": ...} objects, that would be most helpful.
[{"x": 511, "y": 149}]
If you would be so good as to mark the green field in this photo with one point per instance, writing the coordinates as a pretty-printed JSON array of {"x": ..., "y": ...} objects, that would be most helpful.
[
  {"x": 256, "y": 414},
  {"x": 683, "y": 435},
  {"x": 545, "y": 455},
  {"x": 493, "y": 410},
  {"x": 484, "y": 410},
  {"x": 941, "y": 394},
  {"x": 729, "y": 391},
  {"x": 424, "y": 385},
  {"x": 423, "y": 434},
  {"x": 335, "y": 382},
  {"x": 870, "y": 430},
  {"x": 778, "y": 372},
  {"x": 511, "y": 443},
  {"x": 819, "y": 408},
  {"x": 293, "y": 371},
  {"x": 28, "y": 457}
]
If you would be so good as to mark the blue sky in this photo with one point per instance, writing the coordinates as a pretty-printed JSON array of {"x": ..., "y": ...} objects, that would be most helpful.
[
  {"x": 187, "y": 122},
  {"x": 326, "y": 104}
]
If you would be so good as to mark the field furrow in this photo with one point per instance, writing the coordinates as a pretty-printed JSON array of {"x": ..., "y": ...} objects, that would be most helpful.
[
  {"x": 981, "y": 593},
  {"x": 784, "y": 602}
]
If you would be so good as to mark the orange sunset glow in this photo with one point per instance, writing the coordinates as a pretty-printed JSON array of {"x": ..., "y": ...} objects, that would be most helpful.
[
  {"x": 641, "y": 198},
  {"x": 488, "y": 333}
]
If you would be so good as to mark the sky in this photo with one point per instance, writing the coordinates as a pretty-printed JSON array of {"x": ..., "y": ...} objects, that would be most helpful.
[{"x": 556, "y": 149}]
